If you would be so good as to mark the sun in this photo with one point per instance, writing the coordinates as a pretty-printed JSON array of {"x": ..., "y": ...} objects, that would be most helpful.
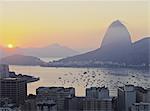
[{"x": 10, "y": 46}]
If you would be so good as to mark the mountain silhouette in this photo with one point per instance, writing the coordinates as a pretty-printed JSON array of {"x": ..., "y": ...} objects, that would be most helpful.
[
  {"x": 53, "y": 50},
  {"x": 140, "y": 53},
  {"x": 21, "y": 60},
  {"x": 116, "y": 36},
  {"x": 116, "y": 50}
]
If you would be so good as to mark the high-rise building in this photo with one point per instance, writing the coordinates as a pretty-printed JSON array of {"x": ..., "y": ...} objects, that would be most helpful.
[
  {"x": 140, "y": 94},
  {"x": 126, "y": 97},
  {"x": 97, "y": 92},
  {"x": 97, "y": 99},
  {"x": 58, "y": 94},
  {"x": 13, "y": 89},
  {"x": 4, "y": 71},
  {"x": 132, "y": 98}
]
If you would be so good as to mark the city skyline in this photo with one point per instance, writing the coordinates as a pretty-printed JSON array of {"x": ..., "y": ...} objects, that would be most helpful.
[{"x": 74, "y": 55}]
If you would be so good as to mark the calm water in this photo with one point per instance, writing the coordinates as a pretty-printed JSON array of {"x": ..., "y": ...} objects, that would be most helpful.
[{"x": 80, "y": 78}]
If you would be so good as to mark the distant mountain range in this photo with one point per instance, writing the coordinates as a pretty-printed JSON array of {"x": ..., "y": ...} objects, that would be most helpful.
[
  {"x": 54, "y": 50},
  {"x": 116, "y": 50}
]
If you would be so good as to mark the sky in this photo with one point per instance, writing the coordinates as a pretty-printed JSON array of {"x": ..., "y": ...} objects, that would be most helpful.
[{"x": 75, "y": 24}]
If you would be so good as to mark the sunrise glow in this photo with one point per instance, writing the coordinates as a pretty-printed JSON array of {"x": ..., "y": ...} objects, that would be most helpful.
[
  {"x": 69, "y": 23},
  {"x": 10, "y": 46}
]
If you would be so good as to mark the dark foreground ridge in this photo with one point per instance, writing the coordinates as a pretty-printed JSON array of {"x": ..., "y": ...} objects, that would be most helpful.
[
  {"x": 116, "y": 50},
  {"x": 22, "y": 60}
]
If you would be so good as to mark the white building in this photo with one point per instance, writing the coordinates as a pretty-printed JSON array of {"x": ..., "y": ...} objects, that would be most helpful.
[
  {"x": 4, "y": 71},
  {"x": 126, "y": 97}
]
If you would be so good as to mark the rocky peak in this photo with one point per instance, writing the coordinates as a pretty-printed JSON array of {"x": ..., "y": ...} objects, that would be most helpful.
[{"x": 116, "y": 36}]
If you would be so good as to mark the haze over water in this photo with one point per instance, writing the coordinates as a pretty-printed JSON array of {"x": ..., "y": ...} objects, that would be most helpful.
[{"x": 76, "y": 77}]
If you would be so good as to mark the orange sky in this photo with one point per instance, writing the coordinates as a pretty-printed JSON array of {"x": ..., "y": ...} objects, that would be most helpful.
[{"x": 76, "y": 24}]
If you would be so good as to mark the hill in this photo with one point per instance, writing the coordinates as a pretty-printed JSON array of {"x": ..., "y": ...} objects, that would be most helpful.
[
  {"x": 21, "y": 60},
  {"x": 116, "y": 50}
]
